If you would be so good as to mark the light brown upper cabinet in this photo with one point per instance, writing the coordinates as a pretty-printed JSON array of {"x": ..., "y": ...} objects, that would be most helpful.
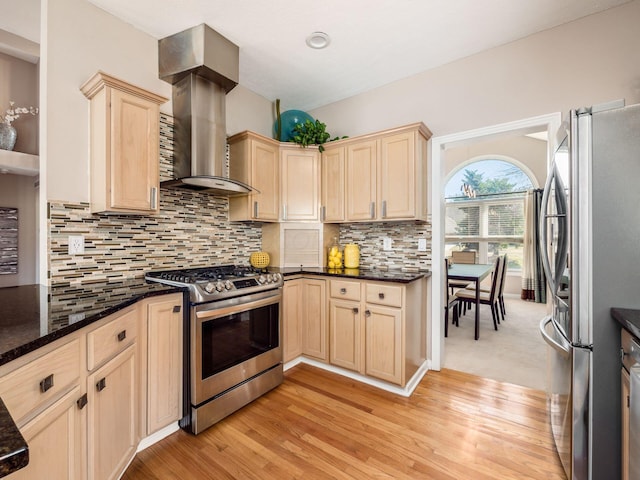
[
  {"x": 333, "y": 184},
  {"x": 254, "y": 160},
  {"x": 299, "y": 183},
  {"x": 124, "y": 143},
  {"x": 384, "y": 177}
]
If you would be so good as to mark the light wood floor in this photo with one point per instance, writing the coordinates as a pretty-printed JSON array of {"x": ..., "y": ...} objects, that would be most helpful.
[{"x": 318, "y": 425}]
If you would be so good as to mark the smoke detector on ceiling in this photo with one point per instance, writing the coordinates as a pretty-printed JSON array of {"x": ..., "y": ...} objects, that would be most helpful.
[{"x": 318, "y": 40}]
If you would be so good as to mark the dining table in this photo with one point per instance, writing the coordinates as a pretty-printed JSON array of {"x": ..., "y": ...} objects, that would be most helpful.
[{"x": 471, "y": 272}]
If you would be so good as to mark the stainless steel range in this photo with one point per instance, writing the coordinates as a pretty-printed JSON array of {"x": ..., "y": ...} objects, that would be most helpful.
[{"x": 235, "y": 347}]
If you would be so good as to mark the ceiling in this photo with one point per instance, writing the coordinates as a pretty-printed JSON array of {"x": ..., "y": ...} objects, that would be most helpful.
[{"x": 373, "y": 42}]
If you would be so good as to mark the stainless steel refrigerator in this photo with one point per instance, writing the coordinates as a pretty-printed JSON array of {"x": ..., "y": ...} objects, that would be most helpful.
[{"x": 590, "y": 238}]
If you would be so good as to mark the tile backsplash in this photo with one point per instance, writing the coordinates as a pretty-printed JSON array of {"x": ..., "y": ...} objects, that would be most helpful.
[
  {"x": 192, "y": 230},
  {"x": 404, "y": 252}
]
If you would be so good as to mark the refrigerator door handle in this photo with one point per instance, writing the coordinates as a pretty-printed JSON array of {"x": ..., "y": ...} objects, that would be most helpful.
[
  {"x": 562, "y": 347},
  {"x": 544, "y": 246}
]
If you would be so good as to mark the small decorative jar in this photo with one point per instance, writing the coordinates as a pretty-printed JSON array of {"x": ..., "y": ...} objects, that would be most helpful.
[
  {"x": 351, "y": 255},
  {"x": 334, "y": 256}
]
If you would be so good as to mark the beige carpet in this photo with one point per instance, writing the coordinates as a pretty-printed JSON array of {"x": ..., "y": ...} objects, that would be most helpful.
[{"x": 516, "y": 353}]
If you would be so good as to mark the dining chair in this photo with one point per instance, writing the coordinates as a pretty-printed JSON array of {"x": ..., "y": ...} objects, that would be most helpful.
[
  {"x": 464, "y": 256},
  {"x": 501, "y": 281},
  {"x": 486, "y": 298},
  {"x": 452, "y": 302}
]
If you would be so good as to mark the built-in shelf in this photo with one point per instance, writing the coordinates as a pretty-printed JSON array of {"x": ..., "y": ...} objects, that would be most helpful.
[{"x": 19, "y": 163}]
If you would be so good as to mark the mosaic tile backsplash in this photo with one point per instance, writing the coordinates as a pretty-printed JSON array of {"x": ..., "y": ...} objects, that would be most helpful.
[
  {"x": 192, "y": 230},
  {"x": 404, "y": 252}
]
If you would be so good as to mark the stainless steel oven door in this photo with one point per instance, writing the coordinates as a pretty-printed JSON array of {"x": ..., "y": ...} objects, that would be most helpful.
[{"x": 232, "y": 341}]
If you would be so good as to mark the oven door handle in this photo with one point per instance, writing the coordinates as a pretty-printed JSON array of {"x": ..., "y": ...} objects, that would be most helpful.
[{"x": 242, "y": 307}]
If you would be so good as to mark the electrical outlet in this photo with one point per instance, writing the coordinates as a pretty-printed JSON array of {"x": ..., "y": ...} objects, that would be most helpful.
[
  {"x": 75, "y": 317},
  {"x": 422, "y": 244},
  {"x": 76, "y": 244},
  {"x": 387, "y": 243}
]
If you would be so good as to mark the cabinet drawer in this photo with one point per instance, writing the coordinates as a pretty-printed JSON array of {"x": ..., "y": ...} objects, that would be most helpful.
[
  {"x": 110, "y": 339},
  {"x": 390, "y": 295},
  {"x": 345, "y": 290},
  {"x": 35, "y": 385}
]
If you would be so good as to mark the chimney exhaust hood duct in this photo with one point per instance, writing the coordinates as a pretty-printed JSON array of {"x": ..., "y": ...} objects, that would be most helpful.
[{"x": 202, "y": 66}]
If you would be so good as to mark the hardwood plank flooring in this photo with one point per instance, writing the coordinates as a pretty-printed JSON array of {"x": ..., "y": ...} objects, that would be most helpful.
[{"x": 319, "y": 425}]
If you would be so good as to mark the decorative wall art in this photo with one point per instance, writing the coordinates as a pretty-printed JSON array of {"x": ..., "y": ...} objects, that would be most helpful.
[{"x": 8, "y": 241}]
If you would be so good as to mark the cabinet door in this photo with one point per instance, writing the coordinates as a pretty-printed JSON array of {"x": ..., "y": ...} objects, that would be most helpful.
[
  {"x": 383, "y": 339},
  {"x": 625, "y": 424},
  {"x": 164, "y": 363},
  {"x": 361, "y": 180},
  {"x": 133, "y": 173},
  {"x": 291, "y": 319},
  {"x": 345, "y": 327},
  {"x": 314, "y": 319},
  {"x": 55, "y": 439},
  {"x": 300, "y": 178},
  {"x": 112, "y": 411},
  {"x": 333, "y": 185},
  {"x": 266, "y": 180},
  {"x": 397, "y": 177}
]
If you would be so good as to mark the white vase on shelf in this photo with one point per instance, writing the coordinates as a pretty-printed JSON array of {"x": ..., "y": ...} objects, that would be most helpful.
[{"x": 8, "y": 136}]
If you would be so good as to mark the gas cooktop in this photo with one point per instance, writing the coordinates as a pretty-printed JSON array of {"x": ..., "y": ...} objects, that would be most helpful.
[{"x": 212, "y": 283}]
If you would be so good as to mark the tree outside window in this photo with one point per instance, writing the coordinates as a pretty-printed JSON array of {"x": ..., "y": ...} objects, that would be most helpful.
[{"x": 491, "y": 221}]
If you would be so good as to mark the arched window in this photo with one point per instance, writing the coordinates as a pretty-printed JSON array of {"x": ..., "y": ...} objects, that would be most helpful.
[{"x": 485, "y": 209}]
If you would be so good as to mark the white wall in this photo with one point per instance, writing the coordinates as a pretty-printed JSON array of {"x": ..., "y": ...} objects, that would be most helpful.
[
  {"x": 592, "y": 60},
  {"x": 79, "y": 39}
]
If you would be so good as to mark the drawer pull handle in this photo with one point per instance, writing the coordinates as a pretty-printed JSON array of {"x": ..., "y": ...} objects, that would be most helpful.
[
  {"x": 102, "y": 384},
  {"x": 46, "y": 384},
  {"x": 356, "y": 310},
  {"x": 381, "y": 296},
  {"x": 82, "y": 401},
  {"x": 367, "y": 313},
  {"x": 343, "y": 291},
  {"x": 122, "y": 335}
]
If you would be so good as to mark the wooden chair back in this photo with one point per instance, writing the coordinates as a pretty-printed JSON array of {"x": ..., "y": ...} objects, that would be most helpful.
[
  {"x": 503, "y": 274},
  {"x": 495, "y": 280},
  {"x": 466, "y": 256}
]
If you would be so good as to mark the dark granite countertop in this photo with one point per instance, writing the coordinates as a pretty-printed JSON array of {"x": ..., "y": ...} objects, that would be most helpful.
[
  {"x": 398, "y": 276},
  {"x": 32, "y": 316},
  {"x": 629, "y": 318},
  {"x": 14, "y": 452}
]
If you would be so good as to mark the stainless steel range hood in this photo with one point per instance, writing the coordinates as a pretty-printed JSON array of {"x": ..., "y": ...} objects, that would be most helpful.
[{"x": 202, "y": 66}]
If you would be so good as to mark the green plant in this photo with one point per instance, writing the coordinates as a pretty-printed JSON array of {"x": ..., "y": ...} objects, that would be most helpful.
[{"x": 312, "y": 133}]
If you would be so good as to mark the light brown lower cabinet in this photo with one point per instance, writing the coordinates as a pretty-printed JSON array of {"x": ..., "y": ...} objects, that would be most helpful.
[
  {"x": 55, "y": 439},
  {"x": 113, "y": 433},
  {"x": 84, "y": 402},
  {"x": 304, "y": 319},
  {"x": 626, "y": 390},
  {"x": 376, "y": 329}
]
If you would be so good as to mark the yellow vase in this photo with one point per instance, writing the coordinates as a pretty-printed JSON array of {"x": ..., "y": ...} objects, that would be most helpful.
[{"x": 351, "y": 255}]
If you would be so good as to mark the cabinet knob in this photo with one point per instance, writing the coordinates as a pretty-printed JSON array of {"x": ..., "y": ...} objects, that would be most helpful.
[
  {"x": 177, "y": 308},
  {"x": 343, "y": 291},
  {"x": 356, "y": 310},
  {"x": 102, "y": 384},
  {"x": 82, "y": 402},
  {"x": 122, "y": 335},
  {"x": 381, "y": 296},
  {"x": 367, "y": 313},
  {"x": 46, "y": 383}
]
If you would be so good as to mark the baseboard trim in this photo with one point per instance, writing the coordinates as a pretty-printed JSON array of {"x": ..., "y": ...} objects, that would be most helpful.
[
  {"x": 405, "y": 392},
  {"x": 157, "y": 436}
]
